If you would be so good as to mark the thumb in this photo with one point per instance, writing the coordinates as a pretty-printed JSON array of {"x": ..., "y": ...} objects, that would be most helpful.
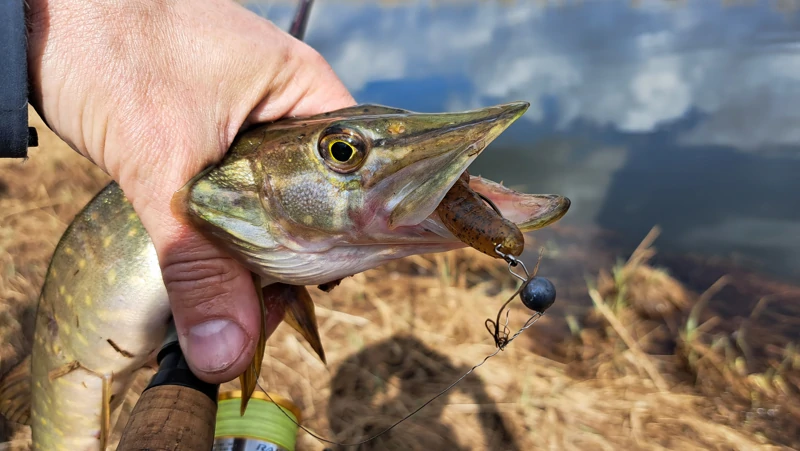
[{"x": 214, "y": 305}]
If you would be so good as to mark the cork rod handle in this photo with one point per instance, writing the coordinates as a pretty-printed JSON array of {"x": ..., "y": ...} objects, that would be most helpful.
[
  {"x": 170, "y": 417},
  {"x": 177, "y": 411}
]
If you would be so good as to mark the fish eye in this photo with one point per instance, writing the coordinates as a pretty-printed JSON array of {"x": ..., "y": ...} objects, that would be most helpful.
[{"x": 342, "y": 150}]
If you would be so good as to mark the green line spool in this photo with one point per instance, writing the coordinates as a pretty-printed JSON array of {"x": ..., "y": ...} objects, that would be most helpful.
[{"x": 264, "y": 427}]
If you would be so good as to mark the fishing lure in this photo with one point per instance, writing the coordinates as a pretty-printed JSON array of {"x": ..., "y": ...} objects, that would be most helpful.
[{"x": 477, "y": 222}]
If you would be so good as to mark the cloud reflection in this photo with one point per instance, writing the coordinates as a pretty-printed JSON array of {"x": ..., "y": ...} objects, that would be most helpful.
[
  {"x": 733, "y": 73},
  {"x": 677, "y": 114}
]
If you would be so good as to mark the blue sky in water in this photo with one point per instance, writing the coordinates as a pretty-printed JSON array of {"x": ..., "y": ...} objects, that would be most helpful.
[
  {"x": 603, "y": 62},
  {"x": 681, "y": 115}
]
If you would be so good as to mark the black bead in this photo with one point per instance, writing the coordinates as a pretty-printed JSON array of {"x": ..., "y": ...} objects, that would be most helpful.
[{"x": 538, "y": 294}]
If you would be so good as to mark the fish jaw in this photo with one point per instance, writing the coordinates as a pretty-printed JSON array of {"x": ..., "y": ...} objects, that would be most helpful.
[
  {"x": 403, "y": 190},
  {"x": 316, "y": 268},
  {"x": 528, "y": 211},
  {"x": 284, "y": 208}
]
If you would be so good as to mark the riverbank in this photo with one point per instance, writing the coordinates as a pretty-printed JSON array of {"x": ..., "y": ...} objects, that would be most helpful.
[{"x": 630, "y": 357}]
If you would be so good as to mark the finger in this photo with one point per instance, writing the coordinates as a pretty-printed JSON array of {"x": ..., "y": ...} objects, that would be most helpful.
[
  {"x": 308, "y": 87},
  {"x": 215, "y": 307},
  {"x": 324, "y": 90},
  {"x": 213, "y": 300}
]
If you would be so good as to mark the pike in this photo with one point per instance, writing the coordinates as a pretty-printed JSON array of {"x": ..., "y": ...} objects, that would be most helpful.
[{"x": 299, "y": 202}]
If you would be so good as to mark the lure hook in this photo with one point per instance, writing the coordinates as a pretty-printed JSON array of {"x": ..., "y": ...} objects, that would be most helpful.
[{"x": 512, "y": 263}]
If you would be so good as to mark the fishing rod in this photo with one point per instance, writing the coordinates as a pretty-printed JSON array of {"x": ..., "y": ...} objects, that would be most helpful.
[{"x": 178, "y": 411}]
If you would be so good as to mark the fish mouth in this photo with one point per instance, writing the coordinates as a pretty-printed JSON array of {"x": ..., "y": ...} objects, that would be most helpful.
[
  {"x": 411, "y": 194},
  {"x": 528, "y": 212},
  {"x": 440, "y": 155}
]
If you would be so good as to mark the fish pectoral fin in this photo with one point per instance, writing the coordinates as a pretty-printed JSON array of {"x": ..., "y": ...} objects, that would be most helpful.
[
  {"x": 105, "y": 407},
  {"x": 63, "y": 370},
  {"x": 105, "y": 412},
  {"x": 249, "y": 378},
  {"x": 280, "y": 302},
  {"x": 15, "y": 393},
  {"x": 301, "y": 315}
]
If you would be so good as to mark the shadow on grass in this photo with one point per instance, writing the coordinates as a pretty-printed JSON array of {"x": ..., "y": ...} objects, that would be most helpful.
[{"x": 391, "y": 378}]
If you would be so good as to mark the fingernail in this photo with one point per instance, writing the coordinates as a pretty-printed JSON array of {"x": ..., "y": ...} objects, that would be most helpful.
[{"x": 214, "y": 345}]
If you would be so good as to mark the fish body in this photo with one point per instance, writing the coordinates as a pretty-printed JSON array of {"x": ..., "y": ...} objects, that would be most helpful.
[
  {"x": 103, "y": 307},
  {"x": 302, "y": 201}
]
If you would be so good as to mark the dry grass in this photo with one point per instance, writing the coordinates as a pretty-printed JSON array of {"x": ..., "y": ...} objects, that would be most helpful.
[{"x": 649, "y": 367}]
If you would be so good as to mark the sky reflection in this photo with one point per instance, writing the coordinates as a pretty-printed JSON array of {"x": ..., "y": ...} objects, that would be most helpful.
[
  {"x": 634, "y": 69},
  {"x": 622, "y": 100}
]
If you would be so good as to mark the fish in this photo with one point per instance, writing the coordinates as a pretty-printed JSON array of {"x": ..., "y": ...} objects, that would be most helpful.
[{"x": 299, "y": 202}]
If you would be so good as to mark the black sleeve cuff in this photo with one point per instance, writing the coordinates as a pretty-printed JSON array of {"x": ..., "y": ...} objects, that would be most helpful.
[{"x": 13, "y": 81}]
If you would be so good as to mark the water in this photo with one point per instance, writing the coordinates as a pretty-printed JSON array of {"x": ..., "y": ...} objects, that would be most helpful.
[{"x": 681, "y": 115}]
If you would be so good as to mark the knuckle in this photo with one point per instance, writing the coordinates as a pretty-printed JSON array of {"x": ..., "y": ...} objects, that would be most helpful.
[
  {"x": 315, "y": 58},
  {"x": 194, "y": 282}
]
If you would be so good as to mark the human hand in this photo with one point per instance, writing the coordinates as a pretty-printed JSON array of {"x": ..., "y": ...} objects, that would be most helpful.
[{"x": 153, "y": 91}]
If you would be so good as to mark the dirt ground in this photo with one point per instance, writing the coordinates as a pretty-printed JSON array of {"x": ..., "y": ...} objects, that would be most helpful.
[{"x": 629, "y": 358}]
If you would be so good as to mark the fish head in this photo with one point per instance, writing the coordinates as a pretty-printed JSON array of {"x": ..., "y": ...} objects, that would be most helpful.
[{"x": 311, "y": 200}]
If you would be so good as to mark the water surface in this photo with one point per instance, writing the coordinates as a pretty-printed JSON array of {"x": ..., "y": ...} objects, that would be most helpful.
[{"x": 680, "y": 115}]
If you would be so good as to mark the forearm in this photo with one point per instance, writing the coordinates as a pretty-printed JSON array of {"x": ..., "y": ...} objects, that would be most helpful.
[{"x": 13, "y": 81}]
